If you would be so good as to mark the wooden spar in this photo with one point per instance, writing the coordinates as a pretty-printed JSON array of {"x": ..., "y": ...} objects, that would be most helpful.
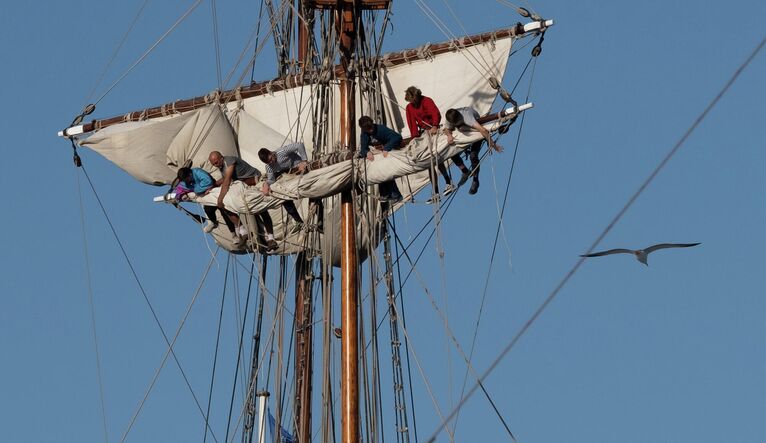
[
  {"x": 346, "y": 25},
  {"x": 337, "y": 158},
  {"x": 303, "y": 347},
  {"x": 304, "y": 344},
  {"x": 303, "y": 78}
]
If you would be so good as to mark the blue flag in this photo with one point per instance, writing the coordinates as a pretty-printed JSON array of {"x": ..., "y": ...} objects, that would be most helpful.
[{"x": 285, "y": 436}]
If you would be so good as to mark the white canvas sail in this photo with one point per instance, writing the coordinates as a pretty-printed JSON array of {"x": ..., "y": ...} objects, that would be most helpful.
[{"x": 153, "y": 150}]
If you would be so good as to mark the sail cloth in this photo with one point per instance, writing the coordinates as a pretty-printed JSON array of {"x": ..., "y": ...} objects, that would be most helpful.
[
  {"x": 153, "y": 150},
  {"x": 408, "y": 166}
]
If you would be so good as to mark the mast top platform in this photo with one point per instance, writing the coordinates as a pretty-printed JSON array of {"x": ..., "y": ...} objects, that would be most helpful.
[{"x": 346, "y": 4}]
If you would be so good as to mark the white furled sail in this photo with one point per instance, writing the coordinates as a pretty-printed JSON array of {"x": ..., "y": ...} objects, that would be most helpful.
[
  {"x": 153, "y": 144},
  {"x": 153, "y": 150}
]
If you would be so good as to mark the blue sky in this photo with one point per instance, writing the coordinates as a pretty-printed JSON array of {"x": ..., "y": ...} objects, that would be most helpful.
[{"x": 670, "y": 352}]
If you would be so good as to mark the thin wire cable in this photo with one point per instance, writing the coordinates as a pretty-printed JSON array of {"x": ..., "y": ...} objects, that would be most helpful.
[
  {"x": 241, "y": 340},
  {"x": 217, "y": 343},
  {"x": 165, "y": 359},
  {"x": 143, "y": 292},
  {"x": 92, "y": 309},
  {"x": 494, "y": 246},
  {"x": 116, "y": 51},
  {"x": 603, "y": 234},
  {"x": 451, "y": 335},
  {"x": 151, "y": 48},
  {"x": 216, "y": 44}
]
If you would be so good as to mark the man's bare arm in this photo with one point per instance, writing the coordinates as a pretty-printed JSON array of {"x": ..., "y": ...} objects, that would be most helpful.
[{"x": 225, "y": 182}]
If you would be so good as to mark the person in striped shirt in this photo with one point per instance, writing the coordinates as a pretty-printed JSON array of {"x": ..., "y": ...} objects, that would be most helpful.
[{"x": 283, "y": 160}]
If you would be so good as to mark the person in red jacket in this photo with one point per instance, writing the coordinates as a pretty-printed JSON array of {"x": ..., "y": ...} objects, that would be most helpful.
[{"x": 423, "y": 115}]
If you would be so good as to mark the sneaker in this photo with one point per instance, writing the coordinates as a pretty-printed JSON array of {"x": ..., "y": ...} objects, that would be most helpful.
[
  {"x": 463, "y": 178},
  {"x": 474, "y": 187},
  {"x": 297, "y": 227},
  {"x": 271, "y": 245},
  {"x": 209, "y": 226},
  {"x": 394, "y": 198},
  {"x": 449, "y": 190},
  {"x": 433, "y": 199}
]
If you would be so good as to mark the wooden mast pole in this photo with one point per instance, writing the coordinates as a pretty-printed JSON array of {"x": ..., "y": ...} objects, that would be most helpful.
[
  {"x": 304, "y": 344},
  {"x": 346, "y": 20}
]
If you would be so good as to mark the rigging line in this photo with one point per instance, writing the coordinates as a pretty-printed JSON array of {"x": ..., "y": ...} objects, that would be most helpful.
[
  {"x": 465, "y": 32},
  {"x": 406, "y": 342},
  {"x": 145, "y": 295},
  {"x": 451, "y": 36},
  {"x": 451, "y": 335},
  {"x": 423, "y": 375},
  {"x": 217, "y": 343},
  {"x": 257, "y": 38},
  {"x": 269, "y": 342},
  {"x": 263, "y": 284},
  {"x": 608, "y": 228},
  {"x": 151, "y": 48},
  {"x": 165, "y": 359},
  {"x": 257, "y": 50},
  {"x": 216, "y": 43},
  {"x": 116, "y": 51},
  {"x": 241, "y": 341},
  {"x": 494, "y": 246},
  {"x": 255, "y": 348},
  {"x": 92, "y": 309}
]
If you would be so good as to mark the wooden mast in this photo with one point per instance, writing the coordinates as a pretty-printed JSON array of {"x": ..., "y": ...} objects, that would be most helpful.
[
  {"x": 346, "y": 21},
  {"x": 304, "y": 344}
]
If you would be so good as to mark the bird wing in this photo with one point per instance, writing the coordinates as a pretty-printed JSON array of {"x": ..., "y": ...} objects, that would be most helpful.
[
  {"x": 611, "y": 251},
  {"x": 669, "y": 245}
]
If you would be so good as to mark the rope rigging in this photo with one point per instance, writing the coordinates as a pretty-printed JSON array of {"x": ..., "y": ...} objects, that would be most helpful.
[
  {"x": 374, "y": 425},
  {"x": 168, "y": 342},
  {"x": 94, "y": 329},
  {"x": 497, "y": 234},
  {"x": 217, "y": 343},
  {"x": 603, "y": 234}
]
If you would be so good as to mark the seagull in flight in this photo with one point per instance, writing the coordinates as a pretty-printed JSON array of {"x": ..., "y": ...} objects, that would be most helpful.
[{"x": 641, "y": 254}]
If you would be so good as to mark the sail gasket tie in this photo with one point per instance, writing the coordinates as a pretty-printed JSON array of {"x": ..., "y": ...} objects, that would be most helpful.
[
  {"x": 387, "y": 60},
  {"x": 269, "y": 87},
  {"x": 425, "y": 53},
  {"x": 238, "y": 96}
]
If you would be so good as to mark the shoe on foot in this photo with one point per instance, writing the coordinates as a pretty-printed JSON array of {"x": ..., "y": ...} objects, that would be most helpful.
[
  {"x": 474, "y": 187},
  {"x": 449, "y": 189},
  {"x": 433, "y": 199},
  {"x": 463, "y": 178},
  {"x": 394, "y": 198},
  {"x": 209, "y": 226},
  {"x": 271, "y": 245}
]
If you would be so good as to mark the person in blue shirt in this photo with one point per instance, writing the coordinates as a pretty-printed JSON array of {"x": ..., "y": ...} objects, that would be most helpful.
[
  {"x": 379, "y": 134},
  {"x": 198, "y": 180}
]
